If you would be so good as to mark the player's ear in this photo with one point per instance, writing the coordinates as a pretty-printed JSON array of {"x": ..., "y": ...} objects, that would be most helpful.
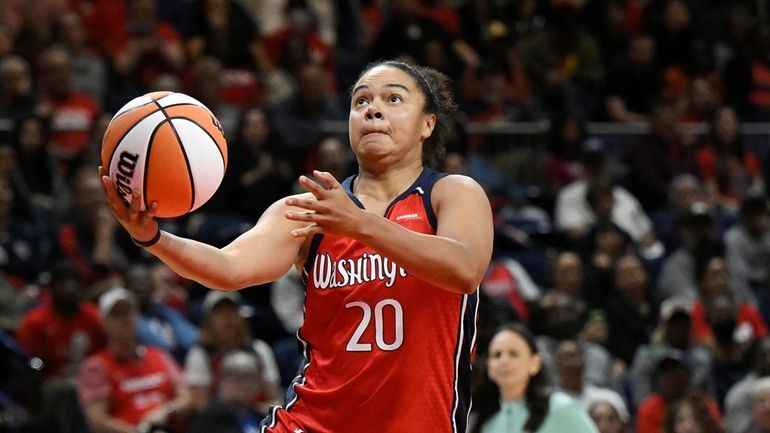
[{"x": 428, "y": 125}]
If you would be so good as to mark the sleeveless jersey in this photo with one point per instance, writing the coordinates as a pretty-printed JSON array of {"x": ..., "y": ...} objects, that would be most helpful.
[{"x": 385, "y": 351}]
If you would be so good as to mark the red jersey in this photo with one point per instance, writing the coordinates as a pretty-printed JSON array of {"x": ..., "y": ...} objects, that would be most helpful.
[
  {"x": 57, "y": 339},
  {"x": 132, "y": 388},
  {"x": 385, "y": 351}
]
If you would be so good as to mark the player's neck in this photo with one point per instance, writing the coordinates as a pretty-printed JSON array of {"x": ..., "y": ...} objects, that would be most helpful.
[{"x": 385, "y": 185}]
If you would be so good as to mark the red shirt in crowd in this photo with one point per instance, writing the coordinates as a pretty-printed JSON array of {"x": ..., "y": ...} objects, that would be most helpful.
[
  {"x": 748, "y": 318},
  {"x": 652, "y": 412},
  {"x": 132, "y": 388},
  {"x": 55, "y": 338}
]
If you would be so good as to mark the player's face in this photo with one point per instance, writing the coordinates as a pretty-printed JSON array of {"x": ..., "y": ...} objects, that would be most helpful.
[
  {"x": 511, "y": 363},
  {"x": 386, "y": 116}
]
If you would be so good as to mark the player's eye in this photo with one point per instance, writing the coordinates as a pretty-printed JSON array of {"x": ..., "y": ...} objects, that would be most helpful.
[
  {"x": 395, "y": 99},
  {"x": 360, "y": 101}
]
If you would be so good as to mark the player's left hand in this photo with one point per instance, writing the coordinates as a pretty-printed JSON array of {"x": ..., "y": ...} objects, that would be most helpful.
[{"x": 331, "y": 212}]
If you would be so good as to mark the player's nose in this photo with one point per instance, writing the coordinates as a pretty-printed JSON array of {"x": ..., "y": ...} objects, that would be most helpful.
[{"x": 373, "y": 111}]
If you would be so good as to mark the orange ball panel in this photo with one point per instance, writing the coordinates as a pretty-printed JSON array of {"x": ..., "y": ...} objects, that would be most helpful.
[
  {"x": 168, "y": 177},
  {"x": 205, "y": 120},
  {"x": 120, "y": 126}
]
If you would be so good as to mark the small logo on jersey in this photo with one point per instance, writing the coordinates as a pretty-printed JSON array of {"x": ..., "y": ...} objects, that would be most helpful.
[
  {"x": 333, "y": 274},
  {"x": 409, "y": 216},
  {"x": 299, "y": 430}
]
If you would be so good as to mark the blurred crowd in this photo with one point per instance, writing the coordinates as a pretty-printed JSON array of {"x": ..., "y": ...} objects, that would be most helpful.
[{"x": 642, "y": 270}]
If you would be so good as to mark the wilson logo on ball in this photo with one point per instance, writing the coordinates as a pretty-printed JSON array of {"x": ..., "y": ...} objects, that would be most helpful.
[{"x": 126, "y": 168}]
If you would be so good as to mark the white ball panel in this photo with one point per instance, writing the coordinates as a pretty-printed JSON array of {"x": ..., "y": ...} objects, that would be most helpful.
[
  {"x": 128, "y": 162},
  {"x": 136, "y": 102},
  {"x": 178, "y": 98},
  {"x": 205, "y": 161}
]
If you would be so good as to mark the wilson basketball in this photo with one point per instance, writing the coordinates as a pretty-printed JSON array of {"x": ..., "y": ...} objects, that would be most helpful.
[{"x": 169, "y": 147}]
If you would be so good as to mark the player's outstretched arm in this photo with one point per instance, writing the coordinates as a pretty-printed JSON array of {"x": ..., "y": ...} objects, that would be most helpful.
[
  {"x": 456, "y": 258},
  {"x": 261, "y": 255}
]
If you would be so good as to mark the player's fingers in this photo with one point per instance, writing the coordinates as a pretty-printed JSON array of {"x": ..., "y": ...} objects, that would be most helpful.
[
  {"x": 302, "y": 216},
  {"x": 102, "y": 172},
  {"x": 312, "y": 186},
  {"x": 308, "y": 204},
  {"x": 150, "y": 212},
  {"x": 134, "y": 208},
  {"x": 307, "y": 231},
  {"x": 113, "y": 199},
  {"x": 326, "y": 179}
]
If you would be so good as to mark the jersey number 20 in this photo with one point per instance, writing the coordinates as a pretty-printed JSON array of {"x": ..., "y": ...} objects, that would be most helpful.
[{"x": 355, "y": 344}]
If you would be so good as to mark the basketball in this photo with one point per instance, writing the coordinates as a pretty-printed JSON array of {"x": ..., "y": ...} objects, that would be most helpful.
[{"x": 170, "y": 148}]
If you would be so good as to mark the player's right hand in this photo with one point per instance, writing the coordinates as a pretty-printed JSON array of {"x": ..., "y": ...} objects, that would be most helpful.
[{"x": 141, "y": 225}]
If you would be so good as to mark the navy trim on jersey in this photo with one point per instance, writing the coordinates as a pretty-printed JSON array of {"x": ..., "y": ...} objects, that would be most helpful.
[
  {"x": 429, "y": 182},
  {"x": 423, "y": 184},
  {"x": 466, "y": 339},
  {"x": 312, "y": 251}
]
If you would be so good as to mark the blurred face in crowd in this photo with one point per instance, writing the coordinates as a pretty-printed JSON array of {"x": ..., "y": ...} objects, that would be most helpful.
[
  {"x": 511, "y": 363},
  {"x": 242, "y": 385},
  {"x": 31, "y": 135},
  {"x": 641, "y": 50},
  {"x": 716, "y": 278},
  {"x": 71, "y": 28},
  {"x": 66, "y": 293},
  {"x": 726, "y": 125},
  {"x": 57, "y": 71},
  {"x": 139, "y": 280},
  {"x": 685, "y": 420},
  {"x": 676, "y": 16},
  {"x": 685, "y": 191},
  {"x": 332, "y": 157},
  {"x": 760, "y": 409},
  {"x": 15, "y": 78},
  {"x": 762, "y": 360},
  {"x": 225, "y": 320},
  {"x": 606, "y": 418},
  {"x": 7, "y": 197},
  {"x": 677, "y": 330},
  {"x": 569, "y": 361},
  {"x": 256, "y": 128},
  {"x": 568, "y": 273},
  {"x": 702, "y": 96},
  {"x": 630, "y": 277},
  {"x": 120, "y": 324}
]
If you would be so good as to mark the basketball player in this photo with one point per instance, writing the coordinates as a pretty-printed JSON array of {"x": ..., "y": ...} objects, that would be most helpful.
[{"x": 392, "y": 259}]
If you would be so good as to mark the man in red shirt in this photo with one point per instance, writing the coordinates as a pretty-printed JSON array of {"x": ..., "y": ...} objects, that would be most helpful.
[
  {"x": 61, "y": 333},
  {"x": 65, "y": 330},
  {"x": 128, "y": 384}
]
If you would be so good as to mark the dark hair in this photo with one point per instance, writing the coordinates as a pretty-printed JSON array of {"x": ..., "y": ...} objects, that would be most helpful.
[
  {"x": 701, "y": 414},
  {"x": 537, "y": 394},
  {"x": 437, "y": 90}
]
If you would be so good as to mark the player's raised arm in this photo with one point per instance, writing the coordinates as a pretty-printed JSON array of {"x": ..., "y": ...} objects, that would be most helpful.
[
  {"x": 456, "y": 258},
  {"x": 262, "y": 254}
]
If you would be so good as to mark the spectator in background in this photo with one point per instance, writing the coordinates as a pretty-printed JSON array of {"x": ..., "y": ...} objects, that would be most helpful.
[
  {"x": 297, "y": 43},
  {"x": 691, "y": 415},
  {"x": 701, "y": 100},
  {"x": 733, "y": 335},
  {"x": 563, "y": 63},
  {"x": 62, "y": 333},
  {"x": 570, "y": 368},
  {"x": 258, "y": 173},
  {"x": 222, "y": 29},
  {"x": 714, "y": 279},
  {"x": 609, "y": 413},
  {"x": 573, "y": 213},
  {"x": 729, "y": 170},
  {"x": 206, "y": 86},
  {"x": 655, "y": 159},
  {"x": 298, "y": 118},
  {"x": 158, "y": 324},
  {"x": 515, "y": 397},
  {"x": 224, "y": 330},
  {"x": 16, "y": 97},
  {"x": 760, "y": 409},
  {"x": 151, "y": 48},
  {"x": 685, "y": 191},
  {"x": 88, "y": 235},
  {"x": 25, "y": 233},
  {"x": 674, "y": 335},
  {"x": 672, "y": 382},
  {"x": 748, "y": 249},
  {"x": 232, "y": 411},
  {"x": 738, "y": 400},
  {"x": 72, "y": 114},
  {"x": 128, "y": 385},
  {"x": 633, "y": 82},
  {"x": 631, "y": 316},
  {"x": 567, "y": 274},
  {"x": 36, "y": 169},
  {"x": 89, "y": 69}
]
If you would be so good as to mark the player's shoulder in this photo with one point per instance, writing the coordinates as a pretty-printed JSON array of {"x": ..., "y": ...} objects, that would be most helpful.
[{"x": 457, "y": 186}]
